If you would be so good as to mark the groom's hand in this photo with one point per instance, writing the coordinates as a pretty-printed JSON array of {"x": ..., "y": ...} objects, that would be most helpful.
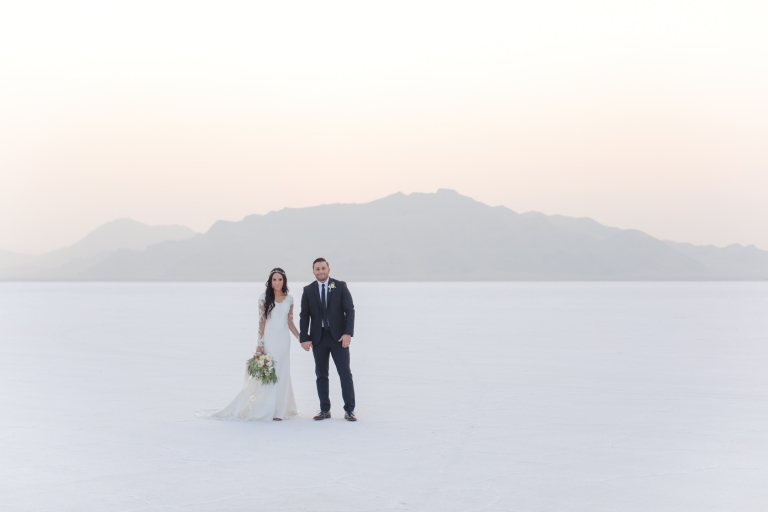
[
  {"x": 306, "y": 345},
  {"x": 345, "y": 340}
]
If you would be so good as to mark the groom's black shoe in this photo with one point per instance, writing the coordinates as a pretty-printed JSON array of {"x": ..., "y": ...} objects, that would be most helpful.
[
  {"x": 322, "y": 415},
  {"x": 350, "y": 416}
]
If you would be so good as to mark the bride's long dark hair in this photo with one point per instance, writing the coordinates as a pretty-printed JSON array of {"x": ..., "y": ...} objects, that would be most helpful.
[{"x": 269, "y": 301}]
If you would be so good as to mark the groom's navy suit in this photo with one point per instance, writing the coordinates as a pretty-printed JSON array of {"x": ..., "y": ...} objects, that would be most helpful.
[{"x": 323, "y": 322}]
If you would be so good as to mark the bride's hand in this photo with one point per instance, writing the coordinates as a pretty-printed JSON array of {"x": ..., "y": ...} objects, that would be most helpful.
[{"x": 259, "y": 350}]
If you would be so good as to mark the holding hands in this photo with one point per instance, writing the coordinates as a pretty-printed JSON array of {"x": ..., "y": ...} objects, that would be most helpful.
[{"x": 344, "y": 340}]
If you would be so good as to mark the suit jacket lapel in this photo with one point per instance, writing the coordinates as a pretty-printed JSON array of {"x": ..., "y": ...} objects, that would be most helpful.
[
  {"x": 317, "y": 294},
  {"x": 331, "y": 293}
]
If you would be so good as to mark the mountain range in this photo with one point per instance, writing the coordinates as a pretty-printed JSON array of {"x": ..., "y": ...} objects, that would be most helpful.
[
  {"x": 440, "y": 236},
  {"x": 70, "y": 262}
]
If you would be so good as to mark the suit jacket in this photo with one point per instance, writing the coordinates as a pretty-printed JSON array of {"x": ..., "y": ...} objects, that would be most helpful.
[{"x": 341, "y": 312}]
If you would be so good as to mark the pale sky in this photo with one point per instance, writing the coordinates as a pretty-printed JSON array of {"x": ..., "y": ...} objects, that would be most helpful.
[{"x": 647, "y": 115}]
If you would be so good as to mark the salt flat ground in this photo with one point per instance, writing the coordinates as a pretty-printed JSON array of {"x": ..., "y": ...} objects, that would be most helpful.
[{"x": 499, "y": 396}]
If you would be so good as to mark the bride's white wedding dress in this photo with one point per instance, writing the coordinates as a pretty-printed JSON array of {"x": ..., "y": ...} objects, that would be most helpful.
[{"x": 263, "y": 402}]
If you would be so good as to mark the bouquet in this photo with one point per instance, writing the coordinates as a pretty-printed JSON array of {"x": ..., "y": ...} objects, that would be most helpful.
[{"x": 262, "y": 367}]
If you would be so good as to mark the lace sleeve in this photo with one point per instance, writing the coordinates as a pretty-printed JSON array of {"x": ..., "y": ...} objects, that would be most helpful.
[
  {"x": 291, "y": 325},
  {"x": 262, "y": 323}
]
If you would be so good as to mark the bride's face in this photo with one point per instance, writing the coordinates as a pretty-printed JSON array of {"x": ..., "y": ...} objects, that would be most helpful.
[{"x": 277, "y": 282}]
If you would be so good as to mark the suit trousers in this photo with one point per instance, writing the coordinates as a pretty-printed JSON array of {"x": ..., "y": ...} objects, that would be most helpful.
[{"x": 323, "y": 351}]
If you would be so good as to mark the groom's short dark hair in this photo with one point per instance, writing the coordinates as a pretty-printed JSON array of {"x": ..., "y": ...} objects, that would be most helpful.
[{"x": 319, "y": 260}]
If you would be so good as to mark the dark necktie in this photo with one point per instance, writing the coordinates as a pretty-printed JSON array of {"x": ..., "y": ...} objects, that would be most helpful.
[{"x": 325, "y": 307}]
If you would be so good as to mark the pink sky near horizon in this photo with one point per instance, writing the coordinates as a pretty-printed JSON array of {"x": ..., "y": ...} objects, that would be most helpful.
[{"x": 647, "y": 115}]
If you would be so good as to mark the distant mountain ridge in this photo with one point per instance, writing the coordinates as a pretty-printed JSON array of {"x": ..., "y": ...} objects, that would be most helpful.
[
  {"x": 69, "y": 262},
  {"x": 442, "y": 236},
  {"x": 9, "y": 259}
]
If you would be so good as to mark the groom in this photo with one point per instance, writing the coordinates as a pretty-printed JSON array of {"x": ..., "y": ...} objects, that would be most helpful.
[{"x": 327, "y": 323}]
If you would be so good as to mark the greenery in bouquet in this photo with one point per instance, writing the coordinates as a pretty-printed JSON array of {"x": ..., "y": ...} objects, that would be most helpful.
[{"x": 262, "y": 367}]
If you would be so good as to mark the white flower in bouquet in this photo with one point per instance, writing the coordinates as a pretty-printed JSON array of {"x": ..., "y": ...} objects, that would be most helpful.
[{"x": 262, "y": 367}]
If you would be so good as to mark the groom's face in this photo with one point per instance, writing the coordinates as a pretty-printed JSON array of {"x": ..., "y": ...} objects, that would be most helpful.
[{"x": 321, "y": 270}]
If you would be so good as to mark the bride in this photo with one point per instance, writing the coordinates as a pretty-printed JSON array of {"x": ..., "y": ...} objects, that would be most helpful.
[{"x": 262, "y": 402}]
